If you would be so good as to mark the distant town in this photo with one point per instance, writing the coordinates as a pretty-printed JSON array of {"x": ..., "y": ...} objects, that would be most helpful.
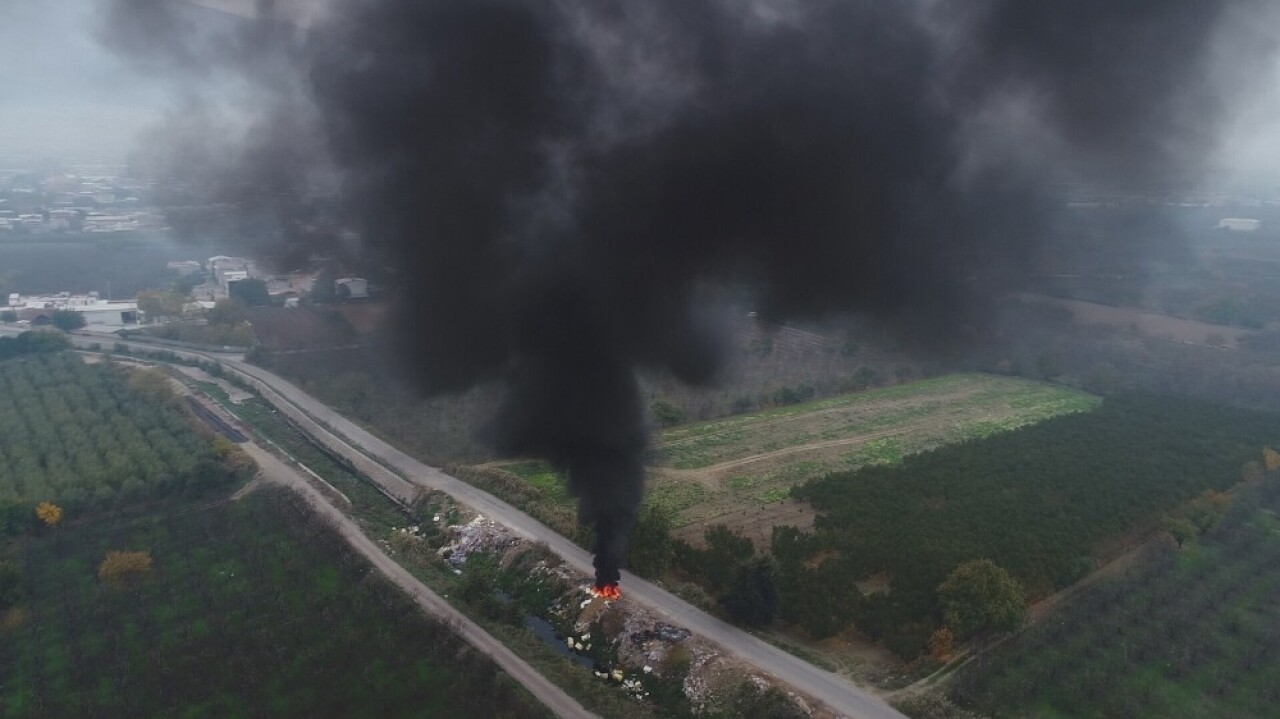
[{"x": 59, "y": 205}]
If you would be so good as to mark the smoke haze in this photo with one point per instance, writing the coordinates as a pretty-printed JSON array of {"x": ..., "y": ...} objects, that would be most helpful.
[{"x": 553, "y": 185}]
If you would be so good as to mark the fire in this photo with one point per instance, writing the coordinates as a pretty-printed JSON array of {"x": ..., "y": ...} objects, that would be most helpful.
[{"x": 608, "y": 592}]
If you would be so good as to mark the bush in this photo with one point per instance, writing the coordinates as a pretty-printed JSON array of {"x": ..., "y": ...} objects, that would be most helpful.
[
  {"x": 124, "y": 566},
  {"x": 923, "y": 706},
  {"x": 49, "y": 513},
  {"x": 67, "y": 320},
  {"x": 665, "y": 413}
]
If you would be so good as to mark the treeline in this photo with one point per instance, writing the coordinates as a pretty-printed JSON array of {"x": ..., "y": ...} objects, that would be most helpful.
[
  {"x": 1037, "y": 501},
  {"x": 29, "y": 343},
  {"x": 97, "y": 434}
]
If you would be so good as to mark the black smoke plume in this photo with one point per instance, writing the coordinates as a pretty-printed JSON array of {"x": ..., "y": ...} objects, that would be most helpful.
[{"x": 551, "y": 184}]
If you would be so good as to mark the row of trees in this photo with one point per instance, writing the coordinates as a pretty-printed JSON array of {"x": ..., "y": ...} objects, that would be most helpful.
[
  {"x": 1130, "y": 646},
  {"x": 82, "y": 434},
  {"x": 29, "y": 343}
]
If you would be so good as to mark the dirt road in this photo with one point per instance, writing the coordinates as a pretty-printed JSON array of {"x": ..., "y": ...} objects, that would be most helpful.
[{"x": 555, "y": 698}]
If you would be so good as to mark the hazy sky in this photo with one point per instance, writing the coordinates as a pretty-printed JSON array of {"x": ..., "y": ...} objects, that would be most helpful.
[{"x": 63, "y": 96}]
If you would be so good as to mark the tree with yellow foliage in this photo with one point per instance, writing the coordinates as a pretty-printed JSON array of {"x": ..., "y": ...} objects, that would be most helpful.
[
  {"x": 49, "y": 513},
  {"x": 121, "y": 566},
  {"x": 1270, "y": 459},
  {"x": 942, "y": 643}
]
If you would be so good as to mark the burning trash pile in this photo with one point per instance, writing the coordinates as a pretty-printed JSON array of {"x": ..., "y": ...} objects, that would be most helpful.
[{"x": 608, "y": 592}]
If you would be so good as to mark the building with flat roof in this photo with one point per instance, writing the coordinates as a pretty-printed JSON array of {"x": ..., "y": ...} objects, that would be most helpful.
[
  {"x": 1239, "y": 224},
  {"x": 39, "y": 309}
]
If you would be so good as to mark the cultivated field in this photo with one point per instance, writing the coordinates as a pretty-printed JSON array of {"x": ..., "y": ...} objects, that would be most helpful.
[
  {"x": 89, "y": 436},
  {"x": 1045, "y": 502},
  {"x": 1190, "y": 633},
  {"x": 250, "y": 608},
  {"x": 1150, "y": 324},
  {"x": 224, "y": 605},
  {"x": 740, "y": 470}
]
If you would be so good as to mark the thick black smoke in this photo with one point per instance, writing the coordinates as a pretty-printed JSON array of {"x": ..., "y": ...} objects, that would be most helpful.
[{"x": 553, "y": 182}]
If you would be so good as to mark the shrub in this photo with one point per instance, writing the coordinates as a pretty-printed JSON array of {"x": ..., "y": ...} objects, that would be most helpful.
[
  {"x": 123, "y": 566},
  {"x": 49, "y": 513},
  {"x": 665, "y": 413}
]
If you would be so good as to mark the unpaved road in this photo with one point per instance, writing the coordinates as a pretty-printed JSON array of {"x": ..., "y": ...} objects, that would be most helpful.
[
  {"x": 837, "y": 693},
  {"x": 555, "y": 698}
]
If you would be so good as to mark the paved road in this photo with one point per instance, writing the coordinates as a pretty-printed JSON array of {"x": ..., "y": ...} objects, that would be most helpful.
[
  {"x": 552, "y": 696},
  {"x": 832, "y": 690},
  {"x": 836, "y": 692}
]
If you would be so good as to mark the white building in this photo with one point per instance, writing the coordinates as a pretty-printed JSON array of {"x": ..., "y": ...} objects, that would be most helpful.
[
  {"x": 96, "y": 311},
  {"x": 185, "y": 267},
  {"x": 351, "y": 288},
  {"x": 226, "y": 270},
  {"x": 1239, "y": 224},
  {"x": 99, "y": 222}
]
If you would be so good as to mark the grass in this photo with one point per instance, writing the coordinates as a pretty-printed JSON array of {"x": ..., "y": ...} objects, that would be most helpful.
[
  {"x": 895, "y": 421},
  {"x": 374, "y": 509},
  {"x": 928, "y": 412}
]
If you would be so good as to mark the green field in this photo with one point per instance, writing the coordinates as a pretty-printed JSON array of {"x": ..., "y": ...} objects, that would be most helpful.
[
  {"x": 253, "y": 608},
  {"x": 725, "y": 470},
  {"x": 919, "y": 414},
  {"x": 731, "y": 470},
  {"x": 1184, "y": 634}
]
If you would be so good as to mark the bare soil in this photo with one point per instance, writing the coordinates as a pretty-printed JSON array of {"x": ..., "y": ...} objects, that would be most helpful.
[{"x": 1149, "y": 323}]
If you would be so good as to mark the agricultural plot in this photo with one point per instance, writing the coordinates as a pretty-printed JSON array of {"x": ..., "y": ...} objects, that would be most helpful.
[
  {"x": 1041, "y": 502},
  {"x": 100, "y": 434},
  {"x": 251, "y": 608},
  {"x": 739, "y": 471},
  {"x": 726, "y": 471},
  {"x": 1192, "y": 633}
]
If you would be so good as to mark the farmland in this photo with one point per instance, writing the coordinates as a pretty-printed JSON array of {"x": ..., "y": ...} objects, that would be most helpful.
[
  {"x": 1044, "y": 502},
  {"x": 154, "y": 594},
  {"x": 95, "y": 435},
  {"x": 724, "y": 470},
  {"x": 1190, "y": 633},
  {"x": 740, "y": 470},
  {"x": 252, "y": 608}
]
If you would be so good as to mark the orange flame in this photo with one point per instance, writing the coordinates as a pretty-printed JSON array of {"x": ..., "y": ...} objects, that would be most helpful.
[{"x": 608, "y": 592}]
